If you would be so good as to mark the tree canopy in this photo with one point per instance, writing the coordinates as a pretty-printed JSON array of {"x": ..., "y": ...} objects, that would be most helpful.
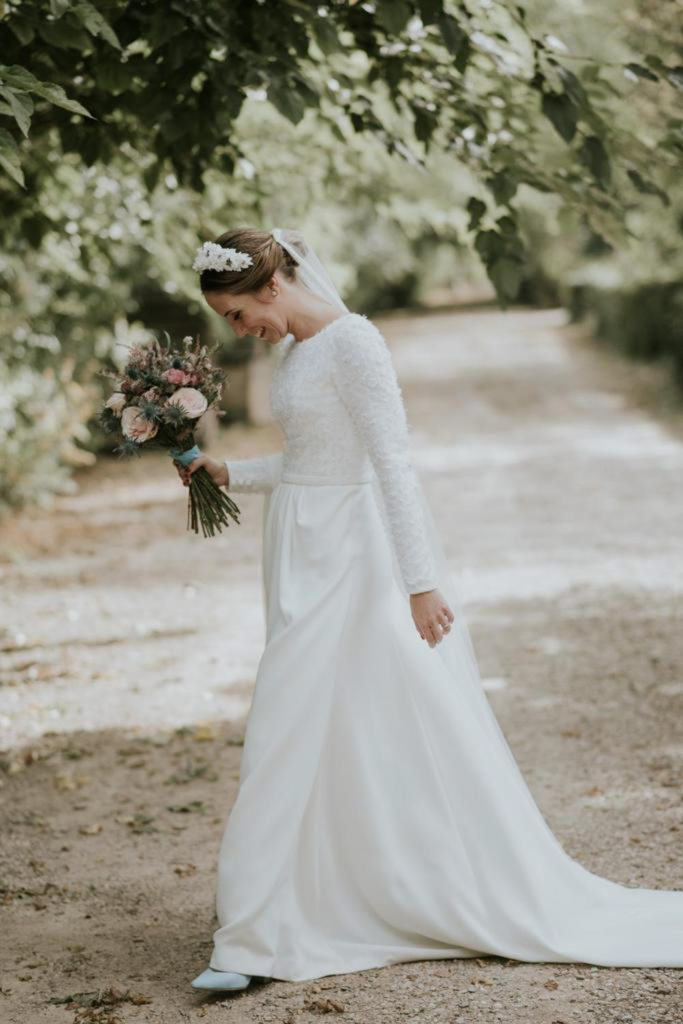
[{"x": 485, "y": 82}]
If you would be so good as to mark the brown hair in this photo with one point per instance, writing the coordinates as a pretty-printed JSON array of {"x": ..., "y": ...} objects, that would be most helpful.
[{"x": 267, "y": 254}]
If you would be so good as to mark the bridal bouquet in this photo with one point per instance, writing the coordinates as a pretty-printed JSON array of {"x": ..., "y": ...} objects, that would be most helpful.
[{"x": 158, "y": 402}]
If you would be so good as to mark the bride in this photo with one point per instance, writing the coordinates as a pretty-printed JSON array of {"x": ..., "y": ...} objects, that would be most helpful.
[{"x": 381, "y": 816}]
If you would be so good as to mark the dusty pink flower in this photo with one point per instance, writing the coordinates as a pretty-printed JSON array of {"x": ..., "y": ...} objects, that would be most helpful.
[
  {"x": 135, "y": 426},
  {"x": 150, "y": 395},
  {"x": 192, "y": 402},
  {"x": 116, "y": 403},
  {"x": 174, "y": 376}
]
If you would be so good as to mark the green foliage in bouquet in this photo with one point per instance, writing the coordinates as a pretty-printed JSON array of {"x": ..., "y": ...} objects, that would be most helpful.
[{"x": 160, "y": 398}]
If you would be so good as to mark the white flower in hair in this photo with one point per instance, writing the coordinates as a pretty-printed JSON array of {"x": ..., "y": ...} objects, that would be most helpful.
[{"x": 211, "y": 256}]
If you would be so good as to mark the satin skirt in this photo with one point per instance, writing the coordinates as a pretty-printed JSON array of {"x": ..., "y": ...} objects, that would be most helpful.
[{"x": 381, "y": 816}]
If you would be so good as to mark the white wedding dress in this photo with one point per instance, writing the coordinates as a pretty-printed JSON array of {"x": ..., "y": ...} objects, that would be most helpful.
[{"x": 381, "y": 816}]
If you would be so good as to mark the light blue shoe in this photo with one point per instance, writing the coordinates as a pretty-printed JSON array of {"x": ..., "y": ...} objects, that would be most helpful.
[{"x": 221, "y": 981}]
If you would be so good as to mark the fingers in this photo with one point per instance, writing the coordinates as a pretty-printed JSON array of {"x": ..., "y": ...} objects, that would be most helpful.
[
  {"x": 184, "y": 472},
  {"x": 429, "y": 633},
  {"x": 434, "y": 635},
  {"x": 437, "y": 627}
]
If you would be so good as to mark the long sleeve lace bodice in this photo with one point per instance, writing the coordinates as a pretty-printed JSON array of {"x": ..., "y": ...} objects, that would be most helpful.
[
  {"x": 338, "y": 401},
  {"x": 259, "y": 473}
]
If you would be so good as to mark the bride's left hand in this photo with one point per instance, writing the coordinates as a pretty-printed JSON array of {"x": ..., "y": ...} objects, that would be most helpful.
[{"x": 432, "y": 616}]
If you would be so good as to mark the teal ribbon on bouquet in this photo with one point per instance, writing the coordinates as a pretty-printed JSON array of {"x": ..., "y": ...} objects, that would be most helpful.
[
  {"x": 185, "y": 457},
  {"x": 207, "y": 505}
]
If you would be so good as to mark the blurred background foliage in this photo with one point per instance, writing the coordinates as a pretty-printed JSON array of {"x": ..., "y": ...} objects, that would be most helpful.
[{"x": 434, "y": 152}]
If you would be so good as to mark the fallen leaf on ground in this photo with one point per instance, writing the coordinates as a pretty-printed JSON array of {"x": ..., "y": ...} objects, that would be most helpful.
[
  {"x": 185, "y": 869},
  {"x": 136, "y": 822},
  {"x": 67, "y": 781},
  {"x": 324, "y": 1006},
  {"x": 193, "y": 805},
  {"x": 205, "y": 732}
]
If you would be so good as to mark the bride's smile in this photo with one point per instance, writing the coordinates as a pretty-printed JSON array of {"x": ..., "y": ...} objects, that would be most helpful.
[{"x": 279, "y": 308}]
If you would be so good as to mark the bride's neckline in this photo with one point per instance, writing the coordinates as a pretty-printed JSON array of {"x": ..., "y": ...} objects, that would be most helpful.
[{"x": 311, "y": 337}]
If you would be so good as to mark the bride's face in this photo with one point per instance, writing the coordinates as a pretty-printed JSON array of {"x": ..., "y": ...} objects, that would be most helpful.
[{"x": 261, "y": 313}]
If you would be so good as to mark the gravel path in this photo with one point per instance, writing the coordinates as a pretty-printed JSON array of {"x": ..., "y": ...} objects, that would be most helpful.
[{"x": 128, "y": 653}]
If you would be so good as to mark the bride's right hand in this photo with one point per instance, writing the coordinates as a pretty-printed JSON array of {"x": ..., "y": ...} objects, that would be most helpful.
[{"x": 218, "y": 471}]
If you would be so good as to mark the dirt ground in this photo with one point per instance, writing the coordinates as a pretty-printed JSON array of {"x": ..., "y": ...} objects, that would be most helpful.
[{"x": 129, "y": 648}]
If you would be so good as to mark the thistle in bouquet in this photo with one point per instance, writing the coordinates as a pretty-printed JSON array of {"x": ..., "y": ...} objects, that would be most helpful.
[{"x": 160, "y": 397}]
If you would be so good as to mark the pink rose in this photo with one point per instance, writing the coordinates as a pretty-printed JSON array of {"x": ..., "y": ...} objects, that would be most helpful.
[
  {"x": 135, "y": 426},
  {"x": 116, "y": 403},
  {"x": 150, "y": 395},
  {"x": 192, "y": 402},
  {"x": 174, "y": 376}
]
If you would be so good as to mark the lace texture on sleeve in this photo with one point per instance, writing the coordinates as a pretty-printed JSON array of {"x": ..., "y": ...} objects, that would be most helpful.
[
  {"x": 368, "y": 386},
  {"x": 260, "y": 473}
]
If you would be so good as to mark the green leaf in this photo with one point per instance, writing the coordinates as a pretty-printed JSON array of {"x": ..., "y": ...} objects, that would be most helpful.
[
  {"x": 648, "y": 187},
  {"x": 17, "y": 77},
  {"x": 503, "y": 185},
  {"x": 463, "y": 55},
  {"x": 508, "y": 226},
  {"x": 227, "y": 163},
  {"x": 561, "y": 112},
  {"x": 476, "y": 209},
  {"x": 337, "y": 132},
  {"x": 424, "y": 124},
  {"x": 506, "y": 276},
  {"x": 393, "y": 15},
  {"x": 642, "y": 72},
  {"x": 10, "y": 157},
  {"x": 574, "y": 88},
  {"x": 20, "y": 78},
  {"x": 151, "y": 175},
  {"x": 675, "y": 76},
  {"x": 430, "y": 11},
  {"x": 451, "y": 33},
  {"x": 326, "y": 36},
  {"x": 309, "y": 95},
  {"x": 391, "y": 72},
  {"x": 456, "y": 40},
  {"x": 95, "y": 23},
  {"x": 488, "y": 244},
  {"x": 59, "y": 7},
  {"x": 65, "y": 34},
  {"x": 655, "y": 62},
  {"x": 21, "y": 105},
  {"x": 22, "y": 29},
  {"x": 55, "y": 94},
  {"x": 287, "y": 101},
  {"x": 594, "y": 155}
]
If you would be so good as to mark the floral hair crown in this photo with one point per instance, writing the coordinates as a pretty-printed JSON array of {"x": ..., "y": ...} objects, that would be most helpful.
[{"x": 212, "y": 256}]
